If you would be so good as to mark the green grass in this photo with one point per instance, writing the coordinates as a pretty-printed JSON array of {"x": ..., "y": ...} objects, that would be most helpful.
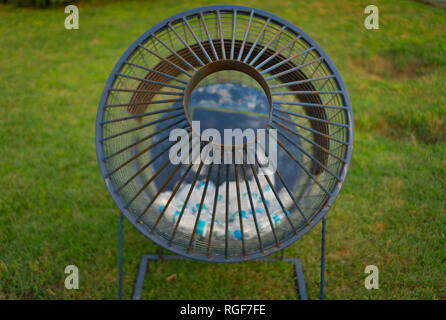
[{"x": 55, "y": 210}]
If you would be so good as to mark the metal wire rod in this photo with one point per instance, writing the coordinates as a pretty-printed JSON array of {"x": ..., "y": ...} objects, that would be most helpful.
[
  {"x": 310, "y": 156},
  {"x": 234, "y": 26},
  {"x": 150, "y": 81},
  {"x": 246, "y": 36},
  {"x": 141, "y": 115},
  {"x": 129, "y": 104},
  {"x": 283, "y": 93},
  {"x": 177, "y": 167},
  {"x": 166, "y": 182},
  {"x": 174, "y": 53},
  {"x": 265, "y": 205},
  {"x": 227, "y": 211},
  {"x": 203, "y": 196},
  {"x": 276, "y": 75},
  {"x": 220, "y": 31},
  {"x": 287, "y": 84},
  {"x": 197, "y": 40},
  {"x": 237, "y": 186},
  {"x": 146, "y": 138},
  {"x": 254, "y": 214},
  {"x": 185, "y": 203},
  {"x": 146, "y": 165},
  {"x": 257, "y": 40},
  {"x": 278, "y": 33},
  {"x": 275, "y": 54},
  {"x": 314, "y": 71},
  {"x": 120, "y": 248},
  {"x": 165, "y": 60},
  {"x": 165, "y": 164},
  {"x": 287, "y": 60},
  {"x": 174, "y": 192},
  {"x": 149, "y": 91},
  {"x": 309, "y": 129},
  {"x": 285, "y": 212},
  {"x": 288, "y": 190},
  {"x": 214, "y": 209},
  {"x": 166, "y": 75},
  {"x": 144, "y": 126},
  {"x": 137, "y": 155},
  {"x": 308, "y": 140},
  {"x": 299, "y": 115},
  {"x": 208, "y": 35},
  {"x": 322, "y": 283},
  {"x": 185, "y": 44},
  {"x": 301, "y": 165}
]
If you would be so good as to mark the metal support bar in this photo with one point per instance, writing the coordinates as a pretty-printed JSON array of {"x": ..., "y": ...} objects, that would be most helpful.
[
  {"x": 324, "y": 223},
  {"x": 120, "y": 256},
  {"x": 300, "y": 280}
]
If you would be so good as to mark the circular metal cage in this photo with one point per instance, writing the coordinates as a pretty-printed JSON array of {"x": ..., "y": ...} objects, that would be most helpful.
[{"x": 227, "y": 67}]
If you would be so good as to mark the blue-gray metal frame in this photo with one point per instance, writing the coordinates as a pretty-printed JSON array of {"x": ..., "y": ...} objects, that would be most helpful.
[{"x": 165, "y": 243}]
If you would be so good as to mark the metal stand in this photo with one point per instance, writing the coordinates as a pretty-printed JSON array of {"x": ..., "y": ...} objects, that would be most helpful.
[{"x": 300, "y": 280}]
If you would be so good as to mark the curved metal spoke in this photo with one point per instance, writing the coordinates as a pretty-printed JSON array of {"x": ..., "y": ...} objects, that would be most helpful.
[
  {"x": 203, "y": 196},
  {"x": 163, "y": 84},
  {"x": 208, "y": 35},
  {"x": 257, "y": 40},
  {"x": 144, "y": 126},
  {"x": 246, "y": 36},
  {"x": 197, "y": 40},
  {"x": 306, "y": 104},
  {"x": 292, "y": 83},
  {"x": 301, "y": 165},
  {"x": 275, "y": 54},
  {"x": 129, "y": 104},
  {"x": 166, "y": 60},
  {"x": 299, "y": 115},
  {"x": 142, "y": 115},
  {"x": 185, "y": 203},
  {"x": 280, "y": 74},
  {"x": 286, "y": 60},
  {"x": 267, "y": 46},
  {"x": 308, "y": 129},
  {"x": 185, "y": 44},
  {"x": 237, "y": 186},
  {"x": 309, "y": 141},
  {"x": 157, "y": 72},
  {"x": 145, "y": 138},
  {"x": 265, "y": 204},
  {"x": 168, "y": 93},
  {"x": 214, "y": 209},
  {"x": 253, "y": 210}
]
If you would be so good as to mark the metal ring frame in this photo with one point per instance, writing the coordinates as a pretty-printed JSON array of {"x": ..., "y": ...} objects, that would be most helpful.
[{"x": 313, "y": 115}]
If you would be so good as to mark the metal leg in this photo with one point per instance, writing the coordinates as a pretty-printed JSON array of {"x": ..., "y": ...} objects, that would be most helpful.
[
  {"x": 301, "y": 288},
  {"x": 120, "y": 256},
  {"x": 140, "y": 277},
  {"x": 324, "y": 222}
]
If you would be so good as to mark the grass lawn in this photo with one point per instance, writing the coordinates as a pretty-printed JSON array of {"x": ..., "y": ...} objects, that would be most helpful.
[{"x": 55, "y": 210}]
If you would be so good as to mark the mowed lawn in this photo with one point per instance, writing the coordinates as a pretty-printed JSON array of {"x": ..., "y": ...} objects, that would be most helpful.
[{"x": 55, "y": 209}]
